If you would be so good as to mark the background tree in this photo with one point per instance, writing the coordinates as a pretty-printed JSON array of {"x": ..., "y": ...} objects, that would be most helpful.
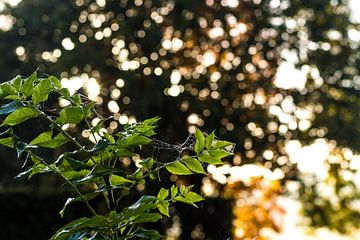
[{"x": 261, "y": 73}]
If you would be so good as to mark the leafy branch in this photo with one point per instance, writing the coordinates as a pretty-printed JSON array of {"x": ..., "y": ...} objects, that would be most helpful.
[{"x": 97, "y": 166}]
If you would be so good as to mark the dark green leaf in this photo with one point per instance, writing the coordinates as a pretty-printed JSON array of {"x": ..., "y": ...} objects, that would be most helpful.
[
  {"x": 73, "y": 114},
  {"x": 143, "y": 200},
  {"x": 95, "y": 222},
  {"x": 147, "y": 234},
  {"x": 20, "y": 116},
  {"x": 10, "y": 107},
  {"x": 85, "y": 197},
  {"x": 45, "y": 140},
  {"x": 98, "y": 171},
  {"x": 147, "y": 217},
  {"x": 124, "y": 152},
  {"x": 193, "y": 164},
  {"x": 28, "y": 85},
  {"x": 178, "y": 168}
]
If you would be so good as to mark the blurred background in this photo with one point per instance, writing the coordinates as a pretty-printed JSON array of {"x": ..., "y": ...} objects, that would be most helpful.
[{"x": 280, "y": 78}]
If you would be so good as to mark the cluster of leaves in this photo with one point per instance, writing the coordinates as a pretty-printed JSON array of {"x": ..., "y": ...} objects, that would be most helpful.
[{"x": 98, "y": 165}]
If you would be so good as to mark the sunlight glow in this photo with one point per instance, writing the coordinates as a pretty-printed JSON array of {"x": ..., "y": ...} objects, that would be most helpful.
[
  {"x": 311, "y": 158},
  {"x": 288, "y": 77},
  {"x": 355, "y": 10}
]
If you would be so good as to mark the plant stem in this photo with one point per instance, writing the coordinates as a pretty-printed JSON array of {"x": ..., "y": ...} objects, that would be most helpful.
[{"x": 67, "y": 180}]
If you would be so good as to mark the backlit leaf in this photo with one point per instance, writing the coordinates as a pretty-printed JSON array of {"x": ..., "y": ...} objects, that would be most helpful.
[
  {"x": 73, "y": 114},
  {"x": 193, "y": 197},
  {"x": 193, "y": 164},
  {"x": 8, "y": 142},
  {"x": 45, "y": 140},
  {"x": 41, "y": 91},
  {"x": 28, "y": 85},
  {"x": 200, "y": 141},
  {"x": 178, "y": 168},
  {"x": 163, "y": 194},
  {"x": 163, "y": 208},
  {"x": 116, "y": 180},
  {"x": 206, "y": 157},
  {"x": 209, "y": 140},
  {"x": 20, "y": 116}
]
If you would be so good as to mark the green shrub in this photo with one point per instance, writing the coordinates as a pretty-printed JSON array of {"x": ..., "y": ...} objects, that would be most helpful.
[{"x": 95, "y": 169}]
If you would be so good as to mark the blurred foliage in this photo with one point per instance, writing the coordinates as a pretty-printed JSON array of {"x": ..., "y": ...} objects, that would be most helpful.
[{"x": 260, "y": 72}]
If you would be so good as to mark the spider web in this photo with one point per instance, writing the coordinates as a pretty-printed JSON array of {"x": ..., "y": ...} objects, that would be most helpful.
[{"x": 188, "y": 144}]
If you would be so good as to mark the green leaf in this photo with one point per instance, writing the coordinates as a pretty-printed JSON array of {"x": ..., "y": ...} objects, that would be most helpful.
[
  {"x": 55, "y": 81},
  {"x": 151, "y": 121},
  {"x": 6, "y": 89},
  {"x": 147, "y": 217},
  {"x": 98, "y": 171},
  {"x": 163, "y": 194},
  {"x": 178, "y": 168},
  {"x": 10, "y": 107},
  {"x": 86, "y": 197},
  {"x": 206, "y": 157},
  {"x": 193, "y": 164},
  {"x": 16, "y": 82},
  {"x": 87, "y": 109},
  {"x": 143, "y": 201},
  {"x": 174, "y": 191},
  {"x": 184, "y": 200},
  {"x": 123, "y": 152},
  {"x": 77, "y": 99},
  {"x": 20, "y": 116},
  {"x": 147, "y": 234},
  {"x": 163, "y": 208},
  {"x": 42, "y": 90},
  {"x": 13, "y": 97},
  {"x": 221, "y": 144},
  {"x": 45, "y": 140},
  {"x": 200, "y": 141},
  {"x": 193, "y": 197},
  {"x": 116, "y": 180},
  {"x": 95, "y": 222},
  {"x": 183, "y": 189},
  {"x": 209, "y": 140},
  {"x": 218, "y": 153},
  {"x": 28, "y": 85},
  {"x": 136, "y": 140},
  {"x": 73, "y": 114},
  {"x": 8, "y": 142}
]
